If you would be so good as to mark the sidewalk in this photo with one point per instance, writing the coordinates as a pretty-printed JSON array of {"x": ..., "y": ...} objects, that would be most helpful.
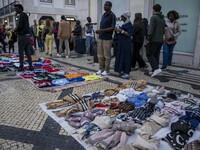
[{"x": 23, "y": 125}]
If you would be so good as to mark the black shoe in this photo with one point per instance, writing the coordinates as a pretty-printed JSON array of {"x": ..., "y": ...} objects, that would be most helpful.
[
  {"x": 31, "y": 68},
  {"x": 163, "y": 68},
  {"x": 20, "y": 69}
]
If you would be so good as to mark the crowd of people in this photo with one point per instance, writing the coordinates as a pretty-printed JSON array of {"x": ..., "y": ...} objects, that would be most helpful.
[
  {"x": 130, "y": 40},
  {"x": 127, "y": 43}
]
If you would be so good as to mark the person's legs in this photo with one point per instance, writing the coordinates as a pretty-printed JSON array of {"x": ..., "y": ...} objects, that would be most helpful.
[
  {"x": 9, "y": 46},
  {"x": 47, "y": 44},
  {"x": 50, "y": 44},
  {"x": 3, "y": 43},
  {"x": 139, "y": 59},
  {"x": 171, "y": 49},
  {"x": 151, "y": 52},
  {"x": 107, "y": 44},
  {"x": 35, "y": 44},
  {"x": 60, "y": 45},
  {"x": 21, "y": 47},
  {"x": 157, "y": 54},
  {"x": 27, "y": 51},
  {"x": 134, "y": 56},
  {"x": 100, "y": 54},
  {"x": 165, "y": 55},
  {"x": 87, "y": 44},
  {"x": 67, "y": 50}
]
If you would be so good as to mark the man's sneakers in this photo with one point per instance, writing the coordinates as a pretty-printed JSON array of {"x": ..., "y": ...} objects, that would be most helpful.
[
  {"x": 103, "y": 73},
  {"x": 156, "y": 72},
  {"x": 99, "y": 72},
  {"x": 125, "y": 76},
  {"x": 31, "y": 68},
  {"x": 20, "y": 69}
]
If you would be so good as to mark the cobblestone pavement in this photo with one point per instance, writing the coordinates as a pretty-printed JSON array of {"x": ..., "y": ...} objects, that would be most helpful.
[{"x": 23, "y": 125}]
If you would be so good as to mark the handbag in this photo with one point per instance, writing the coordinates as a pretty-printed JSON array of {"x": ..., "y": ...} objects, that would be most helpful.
[
  {"x": 169, "y": 38},
  {"x": 32, "y": 41}
]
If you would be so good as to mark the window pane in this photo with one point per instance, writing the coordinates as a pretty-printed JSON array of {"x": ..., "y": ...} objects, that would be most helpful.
[
  {"x": 69, "y": 2},
  {"x": 47, "y": 1},
  {"x": 189, "y": 17}
]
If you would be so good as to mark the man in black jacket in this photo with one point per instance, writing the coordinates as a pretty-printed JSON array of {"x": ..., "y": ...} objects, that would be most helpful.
[
  {"x": 22, "y": 30},
  {"x": 155, "y": 36}
]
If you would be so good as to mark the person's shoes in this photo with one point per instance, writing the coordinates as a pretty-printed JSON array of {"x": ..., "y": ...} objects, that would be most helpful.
[
  {"x": 163, "y": 68},
  {"x": 134, "y": 69},
  {"x": 150, "y": 72},
  {"x": 46, "y": 53},
  {"x": 99, "y": 72},
  {"x": 105, "y": 73},
  {"x": 156, "y": 72},
  {"x": 31, "y": 68},
  {"x": 50, "y": 55},
  {"x": 58, "y": 55},
  {"x": 20, "y": 69},
  {"x": 125, "y": 76},
  {"x": 67, "y": 56},
  {"x": 144, "y": 69}
]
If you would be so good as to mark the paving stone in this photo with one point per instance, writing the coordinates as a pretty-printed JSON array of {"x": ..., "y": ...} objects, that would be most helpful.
[{"x": 25, "y": 126}]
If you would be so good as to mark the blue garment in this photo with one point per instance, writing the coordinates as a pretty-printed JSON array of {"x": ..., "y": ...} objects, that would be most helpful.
[
  {"x": 167, "y": 54},
  {"x": 138, "y": 100},
  {"x": 124, "y": 46},
  {"x": 60, "y": 82},
  {"x": 107, "y": 21}
]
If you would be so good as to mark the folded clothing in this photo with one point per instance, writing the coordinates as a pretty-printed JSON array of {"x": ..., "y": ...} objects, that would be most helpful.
[
  {"x": 194, "y": 145},
  {"x": 138, "y": 100},
  {"x": 141, "y": 144},
  {"x": 78, "y": 121},
  {"x": 60, "y": 82},
  {"x": 181, "y": 132},
  {"x": 142, "y": 113}
]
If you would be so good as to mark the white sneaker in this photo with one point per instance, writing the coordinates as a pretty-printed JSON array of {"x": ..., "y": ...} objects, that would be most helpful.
[
  {"x": 150, "y": 72},
  {"x": 58, "y": 55},
  {"x": 125, "y": 76},
  {"x": 105, "y": 73},
  {"x": 99, "y": 72},
  {"x": 156, "y": 72},
  {"x": 67, "y": 56}
]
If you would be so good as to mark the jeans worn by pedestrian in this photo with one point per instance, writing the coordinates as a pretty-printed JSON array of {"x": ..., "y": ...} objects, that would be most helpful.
[
  {"x": 167, "y": 54},
  {"x": 88, "y": 42},
  {"x": 24, "y": 46}
]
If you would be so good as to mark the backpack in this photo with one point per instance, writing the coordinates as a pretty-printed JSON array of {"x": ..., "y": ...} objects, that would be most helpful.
[{"x": 14, "y": 37}]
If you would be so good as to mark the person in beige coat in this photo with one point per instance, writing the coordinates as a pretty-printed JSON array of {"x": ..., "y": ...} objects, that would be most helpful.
[{"x": 64, "y": 35}]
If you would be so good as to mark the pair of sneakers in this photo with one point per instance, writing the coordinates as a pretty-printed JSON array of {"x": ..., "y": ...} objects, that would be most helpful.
[
  {"x": 155, "y": 72},
  {"x": 103, "y": 73}
]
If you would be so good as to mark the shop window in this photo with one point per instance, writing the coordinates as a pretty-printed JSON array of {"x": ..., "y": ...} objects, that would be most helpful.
[
  {"x": 189, "y": 17},
  {"x": 46, "y": 1},
  {"x": 69, "y": 2}
]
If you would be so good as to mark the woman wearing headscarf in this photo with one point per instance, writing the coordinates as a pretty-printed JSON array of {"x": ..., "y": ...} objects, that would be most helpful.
[
  {"x": 138, "y": 40},
  {"x": 123, "y": 56},
  {"x": 172, "y": 31}
]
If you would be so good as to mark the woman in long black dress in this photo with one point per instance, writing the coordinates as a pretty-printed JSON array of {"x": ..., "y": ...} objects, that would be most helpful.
[{"x": 123, "y": 56}]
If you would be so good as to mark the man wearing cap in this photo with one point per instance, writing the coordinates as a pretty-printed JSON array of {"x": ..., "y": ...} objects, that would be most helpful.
[
  {"x": 22, "y": 30},
  {"x": 107, "y": 26}
]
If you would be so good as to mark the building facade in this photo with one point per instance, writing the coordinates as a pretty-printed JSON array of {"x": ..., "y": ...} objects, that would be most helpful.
[
  {"x": 187, "y": 50},
  {"x": 42, "y": 9}
]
